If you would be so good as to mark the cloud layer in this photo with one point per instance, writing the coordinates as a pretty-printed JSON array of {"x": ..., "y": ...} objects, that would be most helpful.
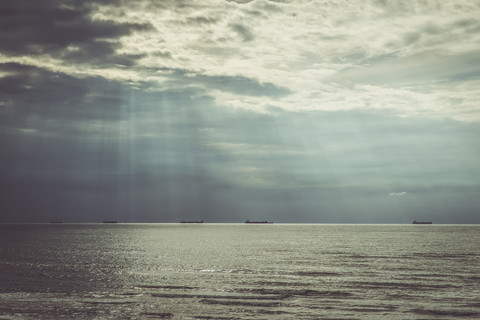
[
  {"x": 306, "y": 111},
  {"x": 412, "y": 57}
]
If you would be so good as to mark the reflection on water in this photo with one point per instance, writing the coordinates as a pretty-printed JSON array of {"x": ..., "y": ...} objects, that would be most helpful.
[{"x": 215, "y": 271}]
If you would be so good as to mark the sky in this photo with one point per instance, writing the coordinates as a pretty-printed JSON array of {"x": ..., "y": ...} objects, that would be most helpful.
[{"x": 328, "y": 111}]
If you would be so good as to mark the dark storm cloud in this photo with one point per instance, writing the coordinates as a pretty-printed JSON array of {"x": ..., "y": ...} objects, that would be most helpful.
[
  {"x": 63, "y": 29},
  {"x": 425, "y": 31},
  {"x": 82, "y": 192},
  {"x": 242, "y": 85},
  {"x": 421, "y": 68},
  {"x": 30, "y": 92},
  {"x": 236, "y": 84},
  {"x": 156, "y": 168},
  {"x": 470, "y": 26},
  {"x": 243, "y": 31},
  {"x": 200, "y": 20},
  {"x": 334, "y": 167},
  {"x": 163, "y": 54},
  {"x": 240, "y": 1},
  {"x": 179, "y": 157}
]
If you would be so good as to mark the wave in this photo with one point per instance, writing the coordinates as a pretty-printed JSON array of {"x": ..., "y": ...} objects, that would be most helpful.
[{"x": 448, "y": 313}]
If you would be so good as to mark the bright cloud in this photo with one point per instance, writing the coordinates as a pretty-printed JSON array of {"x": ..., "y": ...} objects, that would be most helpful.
[
  {"x": 413, "y": 57},
  {"x": 397, "y": 194}
]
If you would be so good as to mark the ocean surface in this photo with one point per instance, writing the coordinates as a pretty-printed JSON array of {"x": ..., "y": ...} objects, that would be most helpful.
[{"x": 239, "y": 271}]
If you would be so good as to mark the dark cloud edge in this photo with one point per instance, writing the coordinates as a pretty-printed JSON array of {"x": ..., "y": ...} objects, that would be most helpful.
[{"x": 67, "y": 33}]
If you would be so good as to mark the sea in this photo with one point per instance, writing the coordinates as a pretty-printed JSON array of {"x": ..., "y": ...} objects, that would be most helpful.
[{"x": 239, "y": 271}]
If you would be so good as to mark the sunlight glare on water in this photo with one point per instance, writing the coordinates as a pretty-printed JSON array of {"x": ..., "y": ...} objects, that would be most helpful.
[{"x": 237, "y": 271}]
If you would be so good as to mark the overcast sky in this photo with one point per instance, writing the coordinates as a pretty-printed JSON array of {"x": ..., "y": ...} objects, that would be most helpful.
[{"x": 292, "y": 111}]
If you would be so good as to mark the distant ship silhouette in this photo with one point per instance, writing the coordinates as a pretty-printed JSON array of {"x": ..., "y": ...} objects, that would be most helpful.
[
  {"x": 421, "y": 222},
  {"x": 110, "y": 221},
  {"x": 263, "y": 221},
  {"x": 191, "y": 221}
]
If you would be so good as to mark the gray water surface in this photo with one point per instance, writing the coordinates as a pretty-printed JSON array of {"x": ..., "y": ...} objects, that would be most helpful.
[{"x": 238, "y": 271}]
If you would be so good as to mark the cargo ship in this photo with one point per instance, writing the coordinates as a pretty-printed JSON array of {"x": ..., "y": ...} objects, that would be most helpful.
[
  {"x": 263, "y": 221},
  {"x": 421, "y": 222},
  {"x": 191, "y": 221}
]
